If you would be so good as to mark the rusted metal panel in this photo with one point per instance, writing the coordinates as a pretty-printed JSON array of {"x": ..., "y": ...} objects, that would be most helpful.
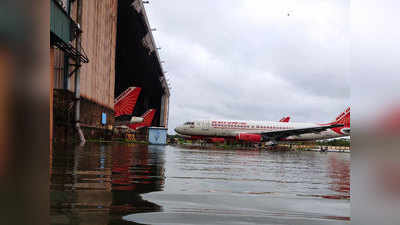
[
  {"x": 58, "y": 68},
  {"x": 99, "y": 26},
  {"x": 51, "y": 103}
]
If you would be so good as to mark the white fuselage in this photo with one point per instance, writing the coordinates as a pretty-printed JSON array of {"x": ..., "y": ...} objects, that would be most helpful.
[{"x": 224, "y": 128}]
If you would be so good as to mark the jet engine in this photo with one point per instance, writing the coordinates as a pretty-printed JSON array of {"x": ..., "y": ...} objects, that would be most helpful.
[
  {"x": 345, "y": 130},
  {"x": 249, "y": 137}
]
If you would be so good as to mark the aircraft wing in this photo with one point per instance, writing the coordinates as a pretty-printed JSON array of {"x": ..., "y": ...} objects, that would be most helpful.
[{"x": 286, "y": 133}]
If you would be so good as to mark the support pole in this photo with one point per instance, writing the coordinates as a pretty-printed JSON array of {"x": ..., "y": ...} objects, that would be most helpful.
[
  {"x": 162, "y": 112},
  {"x": 77, "y": 76}
]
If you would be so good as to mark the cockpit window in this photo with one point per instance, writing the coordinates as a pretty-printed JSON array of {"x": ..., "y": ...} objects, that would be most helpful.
[{"x": 189, "y": 123}]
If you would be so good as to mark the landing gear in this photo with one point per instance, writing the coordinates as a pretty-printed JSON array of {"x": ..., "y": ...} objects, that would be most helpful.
[{"x": 271, "y": 143}]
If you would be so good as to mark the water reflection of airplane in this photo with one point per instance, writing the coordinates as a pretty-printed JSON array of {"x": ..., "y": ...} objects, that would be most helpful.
[
  {"x": 339, "y": 172},
  {"x": 266, "y": 131},
  {"x": 136, "y": 169}
]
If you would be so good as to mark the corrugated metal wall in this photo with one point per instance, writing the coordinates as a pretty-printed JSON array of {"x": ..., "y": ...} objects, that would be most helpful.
[
  {"x": 99, "y": 26},
  {"x": 58, "y": 60},
  {"x": 59, "y": 67}
]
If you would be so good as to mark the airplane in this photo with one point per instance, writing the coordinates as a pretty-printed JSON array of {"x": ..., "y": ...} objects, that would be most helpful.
[
  {"x": 266, "y": 131},
  {"x": 222, "y": 140}
]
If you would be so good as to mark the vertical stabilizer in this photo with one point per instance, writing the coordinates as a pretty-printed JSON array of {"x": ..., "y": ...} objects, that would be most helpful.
[
  {"x": 285, "y": 119},
  {"x": 147, "y": 120},
  {"x": 125, "y": 103},
  {"x": 344, "y": 118}
]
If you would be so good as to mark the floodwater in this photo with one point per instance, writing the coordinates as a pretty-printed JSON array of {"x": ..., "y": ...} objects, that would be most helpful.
[{"x": 137, "y": 184}]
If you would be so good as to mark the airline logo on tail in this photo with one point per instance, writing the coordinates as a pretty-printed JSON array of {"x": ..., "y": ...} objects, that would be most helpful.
[
  {"x": 343, "y": 118},
  {"x": 125, "y": 103}
]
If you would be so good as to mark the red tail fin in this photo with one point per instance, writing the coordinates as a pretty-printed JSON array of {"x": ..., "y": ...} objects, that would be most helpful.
[
  {"x": 285, "y": 119},
  {"x": 148, "y": 117},
  {"x": 147, "y": 120},
  {"x": 344, "y": 118},
  {"x": 125, "y": 103}
]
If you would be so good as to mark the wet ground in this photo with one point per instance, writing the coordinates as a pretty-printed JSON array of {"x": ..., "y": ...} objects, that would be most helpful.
[{"x": 138, "y": 184}]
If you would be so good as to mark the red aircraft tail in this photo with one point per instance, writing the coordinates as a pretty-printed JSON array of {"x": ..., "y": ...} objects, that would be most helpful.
[
  {"x": 344, "y": 118},
  {"x": 285, "y": 119},
  {"x": 125, "y": 103},
  {"x": 147, "y": 120}
]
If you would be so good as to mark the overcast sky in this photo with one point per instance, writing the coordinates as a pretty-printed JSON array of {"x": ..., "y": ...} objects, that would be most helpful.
[
  {"x": 375, "y": 55},
  {"x": 254, "y": 59}
]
